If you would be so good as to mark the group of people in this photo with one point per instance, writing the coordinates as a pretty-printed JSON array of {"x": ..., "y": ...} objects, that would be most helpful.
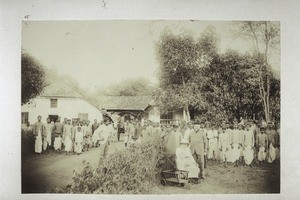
[
  {"x": 188, "y": 146},
  {"x": 191, "y": 145},
  {"x": 71, "y": 136}
]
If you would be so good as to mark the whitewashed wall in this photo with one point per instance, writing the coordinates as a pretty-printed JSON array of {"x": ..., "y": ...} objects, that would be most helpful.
[
  {"x": 154, "y": 114},
  {"x": 178, "y": 114},
  {"x": 66, "y": 108}
]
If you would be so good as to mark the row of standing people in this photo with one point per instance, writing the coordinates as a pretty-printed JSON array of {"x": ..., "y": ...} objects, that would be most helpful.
[
  {"x": 71, "y": 136},
  {"x": 227, "y": 143},
  {"x": 236, "y": 144}
]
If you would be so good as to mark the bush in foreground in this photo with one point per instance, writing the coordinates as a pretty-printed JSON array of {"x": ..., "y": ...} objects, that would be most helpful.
[{"x": 132, "y": 171}]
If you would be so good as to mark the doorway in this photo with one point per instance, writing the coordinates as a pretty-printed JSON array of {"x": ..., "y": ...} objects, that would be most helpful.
[{"x": 53, "y": 118}]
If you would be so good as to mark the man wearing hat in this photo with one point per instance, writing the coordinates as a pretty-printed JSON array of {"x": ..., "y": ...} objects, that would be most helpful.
[
  {"x": 223, "y": 144},
  {"x": 256, "y": 131},
  {"x": 105, "y": 132},
  {"x": 235, "y": 144},
  {"x": 212, "y": 137},
  {"x": 242, "y": 134},
  {"x": 262, "y": 145},
  {"x": 248, "y": 144},
  {"x": 190, "y": 127},
  {"x": 129, "y": 131},
  {"x": 67, "y": 136},
  {"x": 57, "y": 133},
  {"x": 198, "y": 147},
  {"x": 229, "y": 153},
  {"x": 272, "y": 143},
  {"x": 39, "y": 131}
]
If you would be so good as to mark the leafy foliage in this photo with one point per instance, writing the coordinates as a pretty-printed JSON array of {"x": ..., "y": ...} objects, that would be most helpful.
[
  {"x": 230, "y": 85},
  {"x": 133, "y": 171},
  {"x": 181, "y": 57},
  {"x": 214, "y": 85},
  {"x": 129, "y": 87},
  {"x": 265, "y": 36},
  {"x": 33, "y": 75}
]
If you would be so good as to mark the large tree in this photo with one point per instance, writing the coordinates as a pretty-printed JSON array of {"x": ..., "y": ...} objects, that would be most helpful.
[
  {"x": 33, "y": 75},
  {"x": 230, "y": 86},
  {"x": 180, "y": 58},
  {"x": 265, "y": 36}
]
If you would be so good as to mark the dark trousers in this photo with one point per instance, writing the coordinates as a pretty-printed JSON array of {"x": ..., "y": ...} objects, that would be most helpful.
[{"x": 200, "y": 161}]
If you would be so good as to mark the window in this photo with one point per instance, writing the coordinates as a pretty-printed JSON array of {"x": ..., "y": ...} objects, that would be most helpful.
[
  {"x": 83, "y": 116},
  {"x": 169, "y": 115},
  {"x": 53, "y": 103},
  {"x": 24, "y": 117}
]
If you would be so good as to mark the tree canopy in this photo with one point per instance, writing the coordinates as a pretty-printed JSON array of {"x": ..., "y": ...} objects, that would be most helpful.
[
  {"x": 181, "y": 57},
  {"x": 194, "y": 76},
  {"x": 32, "y": 77}
]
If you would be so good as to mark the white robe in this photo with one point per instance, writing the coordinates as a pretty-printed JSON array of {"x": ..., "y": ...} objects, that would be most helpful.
[
  {"x": 235, "y": 152},
  {"x": 248, "y": 155},
  {"x": 49, "y": 133},
  {"x": 57, "y": 143},
  {"x": 271, "y": 154},
  {"x": 261, "y": 154},
  {"x": 212, "y": 143},
  {"x": 38, "y": 143},
  {"x": 185, "y": 161},
  {"x": 78, "y": 142}
]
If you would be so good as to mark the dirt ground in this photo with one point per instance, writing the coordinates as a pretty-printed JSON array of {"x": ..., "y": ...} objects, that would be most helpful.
[
  {"x": 231, "y": 180},
  {"x": 41, "y": 173}
]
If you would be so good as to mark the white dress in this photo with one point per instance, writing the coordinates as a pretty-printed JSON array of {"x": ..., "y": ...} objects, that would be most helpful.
[
  {"x": 248, "y": 143},
  {"x": 185, "y": 161},
  {"x": 57, "y": 143},
  {"x": 248, "y": 155},
  {"x": 261, "y": 154},
  {"x": 212, "y": 142},
  {"x": 38, "y": 143},
  {"x": 68, "y": 144},
  {"x": 49, "y": 133},
  {"x": 271, "y": 154},
  {"x": 78, "y": 142}
]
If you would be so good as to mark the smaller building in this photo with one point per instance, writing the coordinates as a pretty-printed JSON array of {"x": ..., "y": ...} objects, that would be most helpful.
[
  {"x": 175, "y": 116},
  {"x": 122, "y": 108},
  {"x": 59, "y": 100}
]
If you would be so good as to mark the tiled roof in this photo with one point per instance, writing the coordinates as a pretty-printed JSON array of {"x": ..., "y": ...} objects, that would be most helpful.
[
  {"x": 124, "y": 102},
  {"x": 60, "y": 90}
]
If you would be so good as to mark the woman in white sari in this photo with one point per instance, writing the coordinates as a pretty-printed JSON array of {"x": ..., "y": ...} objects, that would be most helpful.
[{"x": 185, "y": 160}]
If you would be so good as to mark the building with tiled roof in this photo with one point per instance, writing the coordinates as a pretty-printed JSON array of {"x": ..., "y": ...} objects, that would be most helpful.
[{"x": 60, "y": 100}]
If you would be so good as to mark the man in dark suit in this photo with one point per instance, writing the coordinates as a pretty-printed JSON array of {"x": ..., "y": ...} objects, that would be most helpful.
[{"x": 198, "y": 147}]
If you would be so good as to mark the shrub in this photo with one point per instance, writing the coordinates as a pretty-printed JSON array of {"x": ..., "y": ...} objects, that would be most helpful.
[{"x": 133, "y": 171}]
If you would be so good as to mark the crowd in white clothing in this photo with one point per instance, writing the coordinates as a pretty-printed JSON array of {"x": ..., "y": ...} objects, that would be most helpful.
[{"x": 236, "y": 143}]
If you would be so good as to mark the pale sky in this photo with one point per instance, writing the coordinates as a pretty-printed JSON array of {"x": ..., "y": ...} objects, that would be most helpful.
[{"x": 98, "y": 53}]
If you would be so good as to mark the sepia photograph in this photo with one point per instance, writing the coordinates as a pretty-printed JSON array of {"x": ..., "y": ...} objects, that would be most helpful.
[{"x": 150, "y": 107}]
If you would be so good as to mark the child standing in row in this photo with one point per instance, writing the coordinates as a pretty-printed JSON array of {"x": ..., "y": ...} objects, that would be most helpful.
[{"x": 78, "y": 141}]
